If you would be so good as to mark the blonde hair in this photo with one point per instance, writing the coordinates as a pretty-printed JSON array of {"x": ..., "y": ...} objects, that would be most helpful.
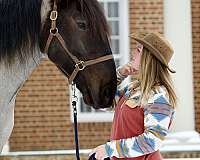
[{"x": 153, "y": 73}]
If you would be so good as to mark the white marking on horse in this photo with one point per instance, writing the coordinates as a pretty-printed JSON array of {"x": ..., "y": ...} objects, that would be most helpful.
[{"x": 45, "y": 8}]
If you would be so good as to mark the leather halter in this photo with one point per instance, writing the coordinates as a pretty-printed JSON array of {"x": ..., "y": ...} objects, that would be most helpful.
[{"x": 79, "y": 64}]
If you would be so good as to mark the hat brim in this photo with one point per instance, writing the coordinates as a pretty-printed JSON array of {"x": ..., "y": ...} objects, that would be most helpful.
[{"x": 153, "y": 50}]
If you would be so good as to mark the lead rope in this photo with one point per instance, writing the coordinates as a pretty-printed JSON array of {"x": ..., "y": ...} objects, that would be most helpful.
[{"x": 74, "y": 103}]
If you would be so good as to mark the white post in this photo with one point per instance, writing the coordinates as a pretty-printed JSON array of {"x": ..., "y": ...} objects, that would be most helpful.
[
  {"x": 6, "y": 148},
  {"x": 178, "y": 30}
]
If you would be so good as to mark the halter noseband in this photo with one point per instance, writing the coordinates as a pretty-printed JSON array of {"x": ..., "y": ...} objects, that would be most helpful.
[{"x": 79, "y": 64}]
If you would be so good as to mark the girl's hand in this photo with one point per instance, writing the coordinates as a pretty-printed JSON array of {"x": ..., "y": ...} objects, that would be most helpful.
[
  {"x": 100, "y": 152},
  {"x": 128, "y": 69},
  {"x": 133, "y": 66}
]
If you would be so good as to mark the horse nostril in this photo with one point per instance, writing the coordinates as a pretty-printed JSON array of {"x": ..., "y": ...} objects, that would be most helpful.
[{"x": 106, "y": 95}]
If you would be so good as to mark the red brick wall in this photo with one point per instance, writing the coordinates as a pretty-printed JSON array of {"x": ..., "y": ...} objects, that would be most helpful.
[
  {"x": 42, "y": 114},
  {"x": 146, "y": 15},
  {"x": 196, "y": 58}
]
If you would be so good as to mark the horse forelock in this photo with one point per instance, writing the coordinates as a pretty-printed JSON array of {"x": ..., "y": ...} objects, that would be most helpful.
[
  {"x": 20, "y": 25},
  {"x": 93, "y": 12}
]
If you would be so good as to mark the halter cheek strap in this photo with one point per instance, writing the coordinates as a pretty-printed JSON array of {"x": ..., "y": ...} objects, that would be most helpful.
[{"x": 79, "y": 64}]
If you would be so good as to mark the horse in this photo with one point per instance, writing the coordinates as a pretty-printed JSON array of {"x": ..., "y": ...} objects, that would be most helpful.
[{"x": 76, "y": 28}]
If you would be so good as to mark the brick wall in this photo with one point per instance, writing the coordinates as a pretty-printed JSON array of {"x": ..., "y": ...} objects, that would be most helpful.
[
  {"x": 196, "y": 58},
  {"x": 42, "y": 114},
  {"x": 146, "y": 15}
]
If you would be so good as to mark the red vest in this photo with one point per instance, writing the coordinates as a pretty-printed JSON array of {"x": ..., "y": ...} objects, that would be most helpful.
[{"x": 129, "y": 122}]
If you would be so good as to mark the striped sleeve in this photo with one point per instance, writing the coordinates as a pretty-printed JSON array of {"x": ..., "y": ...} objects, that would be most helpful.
[
  {"x": 157, "y": 118},
  {"x": 120, "y": 92}
]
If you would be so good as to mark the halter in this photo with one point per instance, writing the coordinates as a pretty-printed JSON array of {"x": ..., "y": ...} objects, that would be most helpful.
[{"x": 79, "y": 64}]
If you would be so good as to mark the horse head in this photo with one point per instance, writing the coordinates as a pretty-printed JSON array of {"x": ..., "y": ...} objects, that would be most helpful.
[{"x": 82, "y": 32}]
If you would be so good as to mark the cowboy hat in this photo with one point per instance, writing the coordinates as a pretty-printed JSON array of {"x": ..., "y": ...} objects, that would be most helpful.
[{"x": 157, "y": 45}]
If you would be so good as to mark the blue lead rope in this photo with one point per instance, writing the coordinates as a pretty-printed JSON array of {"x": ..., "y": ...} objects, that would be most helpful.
[
  {"x": 76, "y": 130},
  {"x": 74, "y": 102}
]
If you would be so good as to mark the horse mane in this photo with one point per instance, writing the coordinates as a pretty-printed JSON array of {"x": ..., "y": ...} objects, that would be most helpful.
[
  {"x": 93, "y": 12},
  {"x": 20, "y": 24}
]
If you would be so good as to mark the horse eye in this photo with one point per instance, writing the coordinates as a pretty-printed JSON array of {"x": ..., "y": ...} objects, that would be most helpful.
[{"x": 82, "y": 25}]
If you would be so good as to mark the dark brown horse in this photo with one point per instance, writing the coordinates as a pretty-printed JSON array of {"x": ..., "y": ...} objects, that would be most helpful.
[{"x": 85, "y": 32}]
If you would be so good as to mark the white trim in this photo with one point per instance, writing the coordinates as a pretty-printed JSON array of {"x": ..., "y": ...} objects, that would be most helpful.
[
  {"x": 181, "y": 148},
  {"x": 95, "y": 117},
  {"x": 90, "y": 117},
  {"x": 46, "y": 153},
  {"x": 124, "y": 31},
  {"x": 188, "y": 141},
  {"x": 6, "y": 148},
  {"x": 178, "y": 30}
]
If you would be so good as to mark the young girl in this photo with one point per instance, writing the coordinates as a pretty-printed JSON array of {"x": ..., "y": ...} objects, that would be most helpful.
[{"x": 144, "y": 108}]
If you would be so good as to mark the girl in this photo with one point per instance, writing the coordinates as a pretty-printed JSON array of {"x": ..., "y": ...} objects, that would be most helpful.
[{"x": 144, "y": 108}]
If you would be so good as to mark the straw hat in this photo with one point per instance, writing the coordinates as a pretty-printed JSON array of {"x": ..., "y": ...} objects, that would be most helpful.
[{"x": 157, "y": 45}]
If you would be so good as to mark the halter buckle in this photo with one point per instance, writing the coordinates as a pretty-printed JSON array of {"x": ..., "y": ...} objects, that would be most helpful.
[
  {"x": 54, "y": 15},
  {"x": 54, "y": 31},
  {"x": 80, "y": 65}
]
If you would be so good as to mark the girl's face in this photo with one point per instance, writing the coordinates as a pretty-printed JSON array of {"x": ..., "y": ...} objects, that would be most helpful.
[{"x": 137, "y": 56}]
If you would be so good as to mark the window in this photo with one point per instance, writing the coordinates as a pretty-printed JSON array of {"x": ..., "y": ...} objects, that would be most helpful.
[{"x": 116, "y": 12}]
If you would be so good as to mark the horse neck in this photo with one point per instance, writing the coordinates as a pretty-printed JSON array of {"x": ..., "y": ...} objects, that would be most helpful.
[{"x": 19, "y": 34}]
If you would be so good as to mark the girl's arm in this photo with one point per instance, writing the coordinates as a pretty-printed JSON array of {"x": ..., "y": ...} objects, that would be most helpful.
[
  {"x": 122, "y": 73},
  {"x": 120, "y": 91}
]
